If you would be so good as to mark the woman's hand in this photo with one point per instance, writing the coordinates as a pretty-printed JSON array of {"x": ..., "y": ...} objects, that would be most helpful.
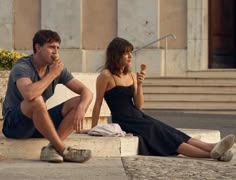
[{"x": 141, "y": 74}]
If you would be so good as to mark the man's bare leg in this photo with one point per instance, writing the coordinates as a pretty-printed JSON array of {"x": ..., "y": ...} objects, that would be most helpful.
[
  {"x": 37, "y": 111},
  {"x": 66, "y": 127},
  {"x": 68, "y": 111}
]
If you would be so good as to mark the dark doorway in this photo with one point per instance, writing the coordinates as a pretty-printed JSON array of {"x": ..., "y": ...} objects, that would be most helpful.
[{"x": 222, "y": 34}]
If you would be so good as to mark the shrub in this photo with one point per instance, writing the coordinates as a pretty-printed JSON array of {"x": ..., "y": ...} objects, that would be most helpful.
[{"x": 9, "y": 58}]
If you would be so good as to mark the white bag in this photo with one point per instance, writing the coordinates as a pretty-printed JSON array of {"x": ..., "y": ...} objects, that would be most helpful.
[{"x": 107, "y": 130}]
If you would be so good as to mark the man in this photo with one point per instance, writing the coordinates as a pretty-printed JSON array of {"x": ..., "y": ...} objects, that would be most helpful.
[{"x": 31, "y": 82}]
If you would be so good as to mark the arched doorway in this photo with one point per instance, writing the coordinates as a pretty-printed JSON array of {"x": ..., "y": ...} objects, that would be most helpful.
[{"x": 222, "y": 34}]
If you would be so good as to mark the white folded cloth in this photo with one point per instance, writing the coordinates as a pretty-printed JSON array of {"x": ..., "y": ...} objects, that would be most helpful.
[{"x": 112, "y": 129}]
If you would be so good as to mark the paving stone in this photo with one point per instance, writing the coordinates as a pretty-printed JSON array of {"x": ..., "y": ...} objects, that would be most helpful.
[{"x": 180, "y": 167}]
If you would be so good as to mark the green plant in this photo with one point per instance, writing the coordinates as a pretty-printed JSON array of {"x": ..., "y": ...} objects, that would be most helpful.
[{"x": 9, "y": 58}]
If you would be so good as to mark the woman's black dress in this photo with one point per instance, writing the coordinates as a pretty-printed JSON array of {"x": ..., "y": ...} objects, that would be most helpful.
[{"x": 155, "y": 137}]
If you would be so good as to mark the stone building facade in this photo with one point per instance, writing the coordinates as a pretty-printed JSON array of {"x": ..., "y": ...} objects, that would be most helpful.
[{"x": 87, "y": 26}]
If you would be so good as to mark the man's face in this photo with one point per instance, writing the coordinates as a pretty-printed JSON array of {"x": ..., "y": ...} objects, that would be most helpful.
[{"x": 47, "y": 51}]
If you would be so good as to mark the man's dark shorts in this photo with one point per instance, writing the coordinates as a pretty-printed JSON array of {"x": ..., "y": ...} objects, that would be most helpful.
[{"x": 17, "y": 125}]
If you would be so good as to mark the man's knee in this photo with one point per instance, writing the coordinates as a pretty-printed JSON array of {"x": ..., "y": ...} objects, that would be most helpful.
[
  {"x": 39, "y": 101},
  {"x": 71, "y": 104},
  {"x": 28, "y": 107}
]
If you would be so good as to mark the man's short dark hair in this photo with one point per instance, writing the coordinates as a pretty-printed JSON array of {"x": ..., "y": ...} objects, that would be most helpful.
[{"x": 45, "y": 36}]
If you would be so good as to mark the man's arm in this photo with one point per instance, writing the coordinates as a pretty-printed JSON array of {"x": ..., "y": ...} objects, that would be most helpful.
[
  {"x": 86, "y": 97},
  {"x": 78, "y": 87},
  {"x": 30, "y": 90}
]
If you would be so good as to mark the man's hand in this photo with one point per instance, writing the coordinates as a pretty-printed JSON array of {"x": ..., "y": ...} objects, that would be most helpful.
[
  {"x": 57, "y": 66},
  {"x": 55, "y": 57},
  {"x": 78, "y": 120}
]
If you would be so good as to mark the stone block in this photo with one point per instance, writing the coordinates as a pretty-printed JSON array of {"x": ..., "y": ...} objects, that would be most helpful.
[
  {"x": 137, "y": 24},
  {"x": 6, "y": 24},
  {"x": 62, "y": 94},
  {"x": 100, "y": 146},
  {"x": 63, "y": 17}
]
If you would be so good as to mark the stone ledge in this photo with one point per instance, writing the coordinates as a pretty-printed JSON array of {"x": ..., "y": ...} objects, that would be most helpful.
[
  {"x": 62, "y": 93},
  {"x": 206, "y": 135},
  {"x": 100, "y": 146}
]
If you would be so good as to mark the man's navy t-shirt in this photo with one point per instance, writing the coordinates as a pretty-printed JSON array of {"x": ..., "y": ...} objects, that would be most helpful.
[{"x": 24, "y": 68}]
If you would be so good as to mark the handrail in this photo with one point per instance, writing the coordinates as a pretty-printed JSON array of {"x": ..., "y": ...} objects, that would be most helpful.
[
  {"x": 163, "y": 37},
  {"x": 163, "y": 61}
]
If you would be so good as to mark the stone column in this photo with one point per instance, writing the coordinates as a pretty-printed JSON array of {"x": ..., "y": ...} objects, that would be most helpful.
[
  {"x": 65, "y": 18},
  {"x": 197, "y": 52},
  {"x": 6, "y": 24},
  {"x": 138, "y": 22}
]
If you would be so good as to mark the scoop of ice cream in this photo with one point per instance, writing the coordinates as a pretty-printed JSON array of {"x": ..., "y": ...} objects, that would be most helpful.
[
  {"x": 55, "y": 57},
  {"x": 143, "y": 67}
]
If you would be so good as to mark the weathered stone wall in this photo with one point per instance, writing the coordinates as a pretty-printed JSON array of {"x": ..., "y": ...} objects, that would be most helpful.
[
  {"x": 87, "y": 26},
  {"x": 3, "y": 85}
]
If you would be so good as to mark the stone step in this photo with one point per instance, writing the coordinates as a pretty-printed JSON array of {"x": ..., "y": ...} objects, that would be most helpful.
[
  {"x": 189, "y": 97},
  {"x": 194, "y": 106},
  {"x": 189, "y": 81},
  {"x": 214, "y": 73},
  {"x": 190, "y": 89},
  {"x": 190, "y": 93},
  {"x": 100, "y": 146}
]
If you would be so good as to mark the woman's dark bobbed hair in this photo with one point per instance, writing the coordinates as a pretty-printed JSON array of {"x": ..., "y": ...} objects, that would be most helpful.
[{"x": 115, "y": 50}]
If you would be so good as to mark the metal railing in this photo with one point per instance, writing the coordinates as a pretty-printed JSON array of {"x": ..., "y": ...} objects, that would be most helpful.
[
  {"x": 163, "y": 37},
  {"x": 141, "y": 48},
  {"x": 163, "y": 63}
]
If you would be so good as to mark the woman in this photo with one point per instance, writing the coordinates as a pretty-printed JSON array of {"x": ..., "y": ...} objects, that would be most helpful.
[{"x": 122, "y": 90}]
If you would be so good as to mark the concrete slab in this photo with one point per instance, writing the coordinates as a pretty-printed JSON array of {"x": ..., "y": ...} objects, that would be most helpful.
[
  {"x": 95, "y": 168},
  {"x": 100, "y": 146},
  {"x": 179, "y": 168},
  {"x": 206, "y": 135}
]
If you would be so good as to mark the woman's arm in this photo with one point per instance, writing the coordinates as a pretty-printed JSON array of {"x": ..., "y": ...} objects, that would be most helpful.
[
  {"x": 101, "y": 87},
  {"x": 138, "y": 93}
]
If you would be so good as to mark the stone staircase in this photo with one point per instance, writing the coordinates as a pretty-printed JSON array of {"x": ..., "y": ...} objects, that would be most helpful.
[{"x": 191, "y": 93}]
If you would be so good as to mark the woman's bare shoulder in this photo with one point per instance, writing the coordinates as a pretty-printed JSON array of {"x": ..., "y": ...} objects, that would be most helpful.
[{"x": 105, "y": 74}]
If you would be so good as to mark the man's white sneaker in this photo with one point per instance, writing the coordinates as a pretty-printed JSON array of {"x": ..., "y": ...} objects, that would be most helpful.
[
  {"x": 227, "y": 156},
  {"x": 49, "y": 154},
  {"x": 76, "y": 155},
  {"x": 221, "y": 147}
]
